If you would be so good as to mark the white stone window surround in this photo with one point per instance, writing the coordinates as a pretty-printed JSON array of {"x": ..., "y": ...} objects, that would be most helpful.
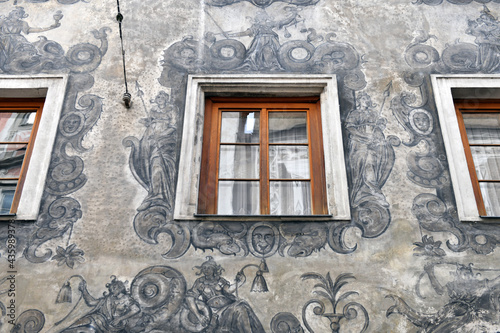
[
  {"x": 271, "y": 85},
  {"x": 447, "y": 88},
  {"x": 53, "y": 89}
]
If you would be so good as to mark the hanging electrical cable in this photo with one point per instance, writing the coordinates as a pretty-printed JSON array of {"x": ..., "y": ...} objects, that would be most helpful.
[{"x": 127, "y": 97}]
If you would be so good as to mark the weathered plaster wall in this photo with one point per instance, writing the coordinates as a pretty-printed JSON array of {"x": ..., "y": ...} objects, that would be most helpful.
[{"x": 404, "y": 263}]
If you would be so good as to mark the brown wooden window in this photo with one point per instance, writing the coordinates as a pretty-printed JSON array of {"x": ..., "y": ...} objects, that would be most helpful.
[
  {"x": 262, "y": 157},
  {"x": 19, "y": 119},
  {"x": 479, "y": 123}
]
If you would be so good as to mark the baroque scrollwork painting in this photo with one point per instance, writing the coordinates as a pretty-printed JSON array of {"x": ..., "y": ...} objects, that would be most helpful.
[
  {"x": 268, "y": 51},
  {"x": 80, "y": 113}
]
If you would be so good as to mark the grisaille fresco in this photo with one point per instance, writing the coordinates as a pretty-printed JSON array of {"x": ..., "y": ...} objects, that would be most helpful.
[
  {"x": 159, "y": 300},
  {"x": 472, "y": 301},
  {"x": 64, "y": 2},
  {"x": 454, "y": 2},
  {"x": 107, "y": 255},
  {"x": 329, "y": 290},
  {"x": 435, "y": 211},
  {"x": 80, "y": 113},
  {"x": 266, "y": 53}
]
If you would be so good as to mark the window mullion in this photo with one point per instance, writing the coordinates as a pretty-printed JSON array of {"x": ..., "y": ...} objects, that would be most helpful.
[
  {"x": 264, "y": 162},
  {"x": 216, "y": 134}
]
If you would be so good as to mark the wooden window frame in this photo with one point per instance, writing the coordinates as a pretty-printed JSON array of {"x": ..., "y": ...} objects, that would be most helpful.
[
  {"x": 207, "y": 198},
  {"x": 479, "y": 106},
  {"x": 22, "y": 105}
]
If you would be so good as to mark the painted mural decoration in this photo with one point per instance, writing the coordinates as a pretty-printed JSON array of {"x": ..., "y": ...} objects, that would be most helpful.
[
  {"x": 18, "y": 55},
  {"x": 29, "y": 321},
  {"x": 329, "y": 299},
  {"x": 268, "y": 51},
  {"x": 222, "y": 51},
  {"x": 460, "y": 57},
  {"x": 153, "y": 158},
  {"x": 472, "y": 302},
  {"x": 454, "y": 2},
  {"x": 260, "y": 3},
  {"x": 159, "y": 300},
  {"x": 370, "y": 160},
  {"x": 14, "y": 44},
  {"x": 63, "y": 2},
  {"x": 428, "y": 248},
  {"x": 427, "y": 165}
]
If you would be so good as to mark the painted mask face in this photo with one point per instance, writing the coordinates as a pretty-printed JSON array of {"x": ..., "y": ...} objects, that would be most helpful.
[{"x": 263, "y": 239}]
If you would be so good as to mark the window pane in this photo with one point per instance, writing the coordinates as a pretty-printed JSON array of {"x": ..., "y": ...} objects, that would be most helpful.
[
  {"x": 7, "y": 191},
  {"x": 16, "y": 126},
  {"x": 11, "y": 159},
  {"x": 491, "y": 198},
  {"x": 240, "y": 127},
  {"x": 487, "y": 162},
  {"x": 239, "y": 162},
  {"x": 287, "y": 127},
  {"x": 238, "y": 198},
  {"x": 289, "y": 162},
  {"x": 482, "y": 128},
  {"x": 290, "y": 198}
]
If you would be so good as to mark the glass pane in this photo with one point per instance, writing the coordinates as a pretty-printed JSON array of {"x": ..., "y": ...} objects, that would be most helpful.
[
  {"x": 11, "y": 159},
  {"x": 290, "y": 198},
  {"x": 240, "y": 127},
  {"x": 7, "y": 191},
  {"x": 239, "y": 162},
  {"x": 16, "y": 127},
  {"x": 482, "y": 128},
  {"x": 487, "y": 162},
  {"x": 289, "y": 162},
  {"x": 491, "y": 198},
  {"x": 238, "y": 198},
  {"x": 287, "y": 127}
]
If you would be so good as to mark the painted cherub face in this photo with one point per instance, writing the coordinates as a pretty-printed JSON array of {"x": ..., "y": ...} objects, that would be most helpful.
[
  {"x": 71, "y": 123},
  {"x": 422, "y": 121}
]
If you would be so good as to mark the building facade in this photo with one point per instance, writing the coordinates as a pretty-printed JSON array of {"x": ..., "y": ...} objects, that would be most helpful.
[{"x": 281, "y": 166}]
